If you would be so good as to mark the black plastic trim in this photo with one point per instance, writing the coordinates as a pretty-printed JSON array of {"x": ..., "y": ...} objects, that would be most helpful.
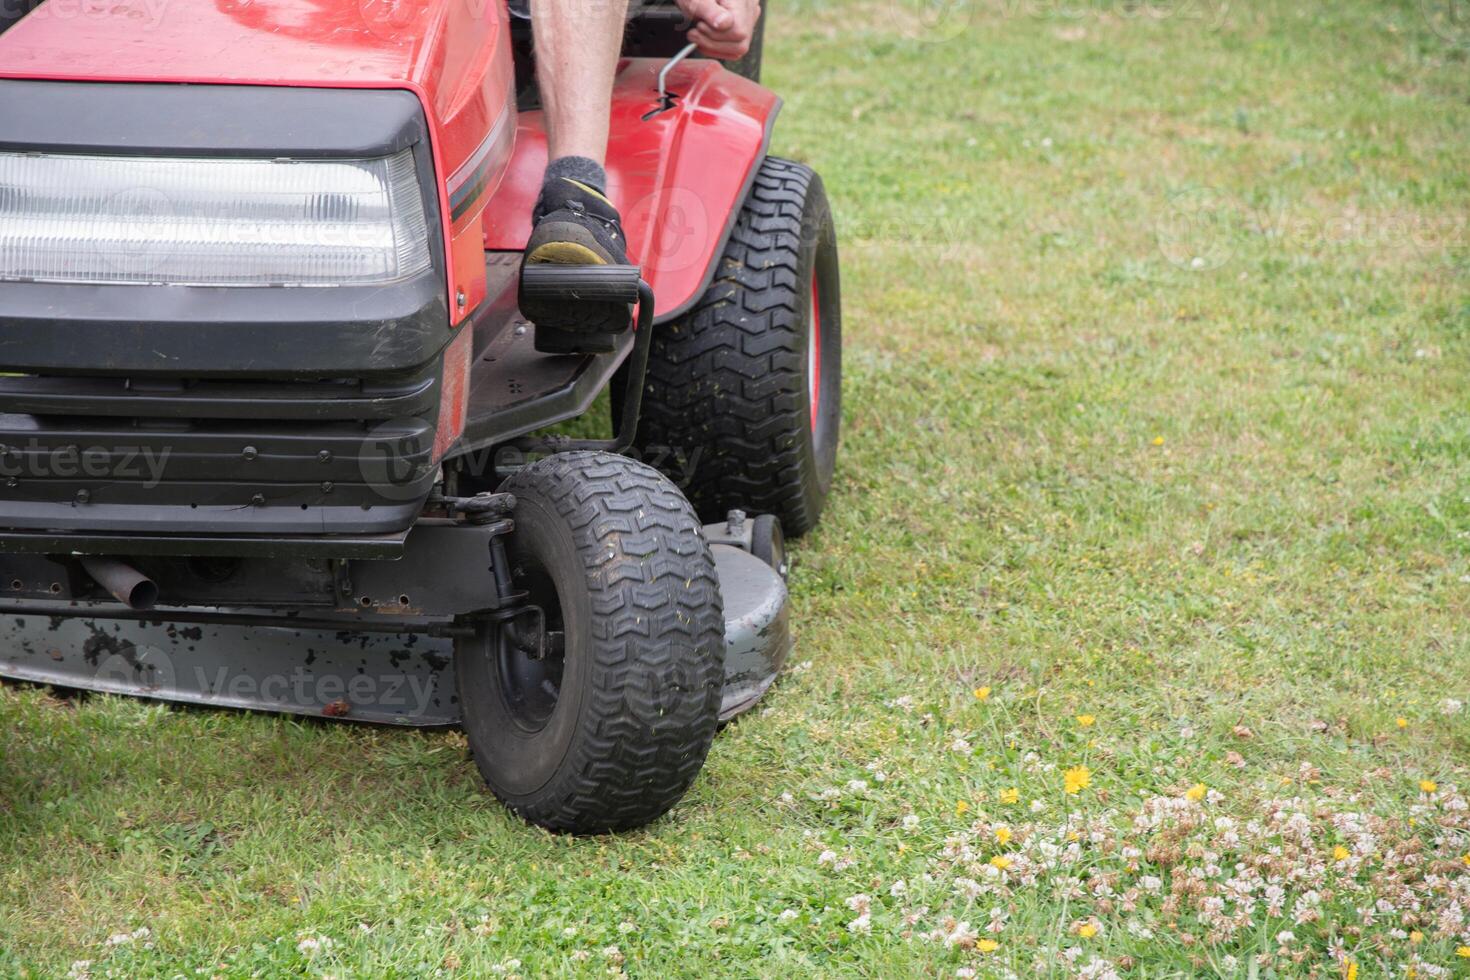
[
  {"x": 411, "y": 394},
  {"x": 218, "y": 331},
  {"x": 207, "y": 120},
  {"x": 467, "y": 184}
]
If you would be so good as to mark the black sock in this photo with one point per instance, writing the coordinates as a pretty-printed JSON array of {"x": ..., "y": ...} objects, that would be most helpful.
[{"x": 580, "y": 169}]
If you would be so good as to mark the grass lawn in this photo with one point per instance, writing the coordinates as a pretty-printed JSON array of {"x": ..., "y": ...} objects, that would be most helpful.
[{"x": 1155, "y": 487}]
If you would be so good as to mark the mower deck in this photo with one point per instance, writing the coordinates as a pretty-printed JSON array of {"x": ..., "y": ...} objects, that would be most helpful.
[{"x": 397, "y": 678}]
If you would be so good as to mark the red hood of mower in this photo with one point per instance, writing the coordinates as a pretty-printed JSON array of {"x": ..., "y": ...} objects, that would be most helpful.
[{"x": 337, "y": 43}]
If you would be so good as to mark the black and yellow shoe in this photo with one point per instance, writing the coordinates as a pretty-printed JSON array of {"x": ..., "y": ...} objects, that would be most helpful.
[{"x": 575, "y": 224}]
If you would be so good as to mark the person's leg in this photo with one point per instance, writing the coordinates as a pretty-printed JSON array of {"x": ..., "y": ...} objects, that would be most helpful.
[{"x": 577, "y": 46}]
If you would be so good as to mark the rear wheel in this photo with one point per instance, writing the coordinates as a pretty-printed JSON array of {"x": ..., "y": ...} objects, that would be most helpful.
[
  {"x": 597, "y": 715},
  {"x": 744, "y": 391}
]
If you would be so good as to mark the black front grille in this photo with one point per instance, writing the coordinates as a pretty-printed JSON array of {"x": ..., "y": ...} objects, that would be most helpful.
[
  {"x": 414, "y": 394},
  {"x": 216, "y": 455}
]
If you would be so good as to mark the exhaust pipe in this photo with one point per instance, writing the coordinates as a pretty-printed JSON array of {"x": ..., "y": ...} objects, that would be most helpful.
[{"x": 130, "y": 586}]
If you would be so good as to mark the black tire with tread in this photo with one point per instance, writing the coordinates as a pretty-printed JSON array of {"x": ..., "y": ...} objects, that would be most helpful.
[
  {"x": 726, "y": 394},
  {"x": 644, "y": 657}
]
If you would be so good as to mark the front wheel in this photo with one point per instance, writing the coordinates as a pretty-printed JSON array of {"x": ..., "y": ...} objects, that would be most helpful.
[{"x": 595, "y": 714}]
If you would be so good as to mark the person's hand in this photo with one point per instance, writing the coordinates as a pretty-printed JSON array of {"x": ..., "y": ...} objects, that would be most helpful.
[{"x": 722, "y": 28}]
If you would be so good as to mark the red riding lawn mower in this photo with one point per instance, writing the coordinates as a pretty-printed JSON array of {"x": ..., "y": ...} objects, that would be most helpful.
[{"x": 272, "y": 427}]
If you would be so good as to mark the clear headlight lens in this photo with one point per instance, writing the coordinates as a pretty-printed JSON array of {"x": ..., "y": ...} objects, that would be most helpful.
[{"x": 212, "y": 222}]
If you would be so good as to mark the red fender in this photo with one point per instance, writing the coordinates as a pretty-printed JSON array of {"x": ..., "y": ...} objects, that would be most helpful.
[{"x": 678, "y": 176}]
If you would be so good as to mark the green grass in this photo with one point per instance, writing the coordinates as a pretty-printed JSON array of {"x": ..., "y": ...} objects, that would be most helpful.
[{"x": 1221, "y": 505}]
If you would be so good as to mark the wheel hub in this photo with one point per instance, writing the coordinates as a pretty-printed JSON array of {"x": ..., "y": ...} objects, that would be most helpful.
[{"x": 530, "y": 650}]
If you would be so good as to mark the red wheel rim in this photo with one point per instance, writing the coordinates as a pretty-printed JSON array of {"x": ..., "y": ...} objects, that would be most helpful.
[{"x": 814, "y": 359}]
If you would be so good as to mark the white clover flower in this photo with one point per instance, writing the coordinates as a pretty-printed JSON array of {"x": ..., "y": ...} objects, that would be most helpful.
[
  {"x": 898, "y": 888},
  {"x": 969, "y": 887},
  {"x": 123, "y": 938},
  {"x": 860, "y": 926},
  {"x": 827, "y": 857},
  {"x": 961, "y": 935},
  {"x": 787, "y": 915},
  {"x": 311, "y": 945},
  {"x": 910, "y": 822},
  {"x": 1098, "y": 969},
  {"x": 1285, "y": 937}
]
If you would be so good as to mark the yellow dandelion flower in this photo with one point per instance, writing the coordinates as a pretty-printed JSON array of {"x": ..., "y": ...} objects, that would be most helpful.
[
  {"x": 1463, "y": 952},
  {"x": 1401, "y": 721},
  {"x": 1416, "y": 936},
  {"x": 982, "y": 693},
  {"x": 960, "y": 808},
  {"x": 1158, "y": 440},
  {"x": 1465, "y": 859},
  {"x": 1003, "y": 835},
  {"x": 1000, "y": 862},
  {"x": 1195, "y": 793},
  {"x": 1340, "y": 853},
  {"x": 1351, "y": 971},
  {"x": 1009, "y": 796},
  {"x": 986, "y": 945},
  {"x": 1087, "y": 930},
  {"x": 1086, "y": 721},
  {"x": 1077, "y": 779},
  {"x": 1428, "y": 786}
]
